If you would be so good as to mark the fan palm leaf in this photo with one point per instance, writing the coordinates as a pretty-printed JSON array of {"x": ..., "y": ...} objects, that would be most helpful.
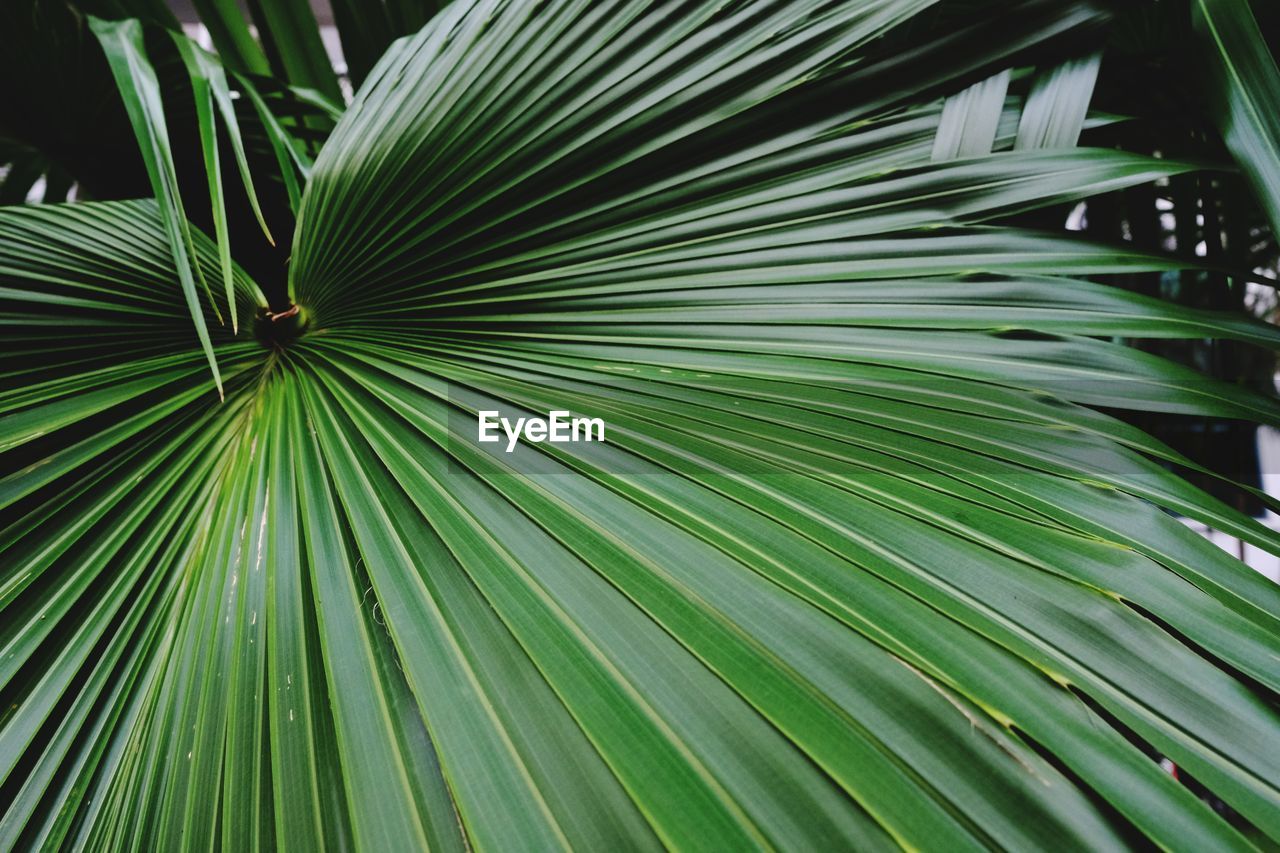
[{"x": 862, "y": 562}]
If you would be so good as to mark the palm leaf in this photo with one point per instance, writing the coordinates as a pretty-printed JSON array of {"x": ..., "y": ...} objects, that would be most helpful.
[
  {"x": 1244, "y": 85},
  {"x": 860, "y": 563},
  {"x": 293, "y": 44},
  {"x": 122, "y": 43},
  {"x": 209, "y": 87}
]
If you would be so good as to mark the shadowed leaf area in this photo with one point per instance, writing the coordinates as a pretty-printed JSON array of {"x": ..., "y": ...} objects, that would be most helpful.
[{"x": 866, "y": 560}]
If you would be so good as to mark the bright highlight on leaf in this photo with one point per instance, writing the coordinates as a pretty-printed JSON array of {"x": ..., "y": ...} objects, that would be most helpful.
[{"x": 866, "y": 559}]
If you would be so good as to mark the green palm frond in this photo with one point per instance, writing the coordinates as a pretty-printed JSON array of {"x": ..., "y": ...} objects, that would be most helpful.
[
  {"x": 865, "y": 560},
  {"x": 1246, "y": 84}
]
